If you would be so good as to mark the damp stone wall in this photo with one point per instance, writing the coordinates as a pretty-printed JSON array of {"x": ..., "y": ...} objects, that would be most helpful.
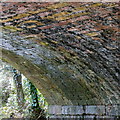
[{"x": 91, "y": 112}]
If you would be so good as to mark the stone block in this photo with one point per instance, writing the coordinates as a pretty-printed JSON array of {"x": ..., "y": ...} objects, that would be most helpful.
[
  {"x": 72, "y": 110},
  {"x": 66, "y": 109},
  {"x": 55, "y": 109},
  {"x": 96, "y": 110},
  {"x": 106, "y": 118},
  {"x": 79, "y": 110},
  {"x": 113, "y": 110},
  {"x": 89, "y": 117}
]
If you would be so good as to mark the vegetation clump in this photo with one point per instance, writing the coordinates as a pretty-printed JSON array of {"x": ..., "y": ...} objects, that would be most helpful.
[{"x": 18, "y": 96}]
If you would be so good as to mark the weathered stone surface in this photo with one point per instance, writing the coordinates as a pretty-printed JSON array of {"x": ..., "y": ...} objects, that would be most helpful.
[
  {"x": 71, "y": 56},
  {"x": 87, "y": 112},
  {"x": 95, "y": 110},
  {"x": 55, "y": 110},
  {"x": 113, "y": 110},
  {"x": 72, "y": 110}
]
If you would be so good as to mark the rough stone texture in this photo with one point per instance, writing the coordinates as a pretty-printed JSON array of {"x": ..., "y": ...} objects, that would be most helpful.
[
  {"x": 55, "y": 110},
  {"x": 100, "y": 110},
  {"x": 59, "y": 1},
  {"x": 70, "y": 51},
  {"x": 72, "y": 110},
  {"x": 113, "y": 110},
  {"x": 91, "y": 112},
  {"x": 95, "y": 110}
]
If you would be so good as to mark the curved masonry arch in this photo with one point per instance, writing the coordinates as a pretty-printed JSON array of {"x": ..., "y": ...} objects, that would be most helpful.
[
  {"x": 69, "y": 65},
  {"x": 61, "y": 82},
  {"x": 45, "y": 75}
]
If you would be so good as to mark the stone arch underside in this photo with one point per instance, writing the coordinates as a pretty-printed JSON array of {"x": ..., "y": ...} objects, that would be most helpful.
[
  {"x": 69, "y": 51},
  {"x": 61, "y": 78}
]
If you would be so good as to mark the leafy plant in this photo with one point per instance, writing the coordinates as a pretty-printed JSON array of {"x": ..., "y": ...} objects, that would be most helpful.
[{"x": 8, "y": 95}]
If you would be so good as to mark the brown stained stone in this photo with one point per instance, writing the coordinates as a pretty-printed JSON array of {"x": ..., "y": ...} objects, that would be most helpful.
[
  {"x": 45, "y": 27},
  {"x": 43, "y": 14},
  {"x": 61, "y": 23}
]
